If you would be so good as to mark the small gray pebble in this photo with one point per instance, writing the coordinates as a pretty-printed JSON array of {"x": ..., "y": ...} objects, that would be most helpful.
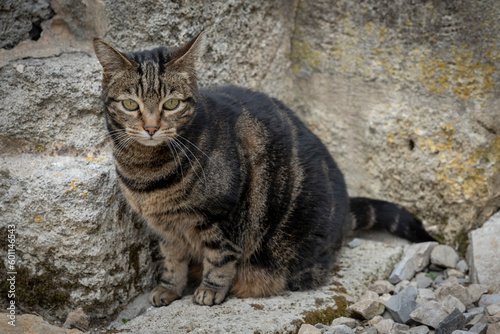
[
  {"x": 462, "y": 266},
  {"x": 354, "y": 243}
]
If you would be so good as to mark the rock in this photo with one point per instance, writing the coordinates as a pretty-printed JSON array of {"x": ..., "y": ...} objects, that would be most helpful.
[
  {"x": 470, "y": 315},
  {"x": 450, "y": 303},
  {"x": 384, "y": 298},
  {"x": 463, "y": 281},
  {"x": 400, "y": 286},
  {"x": 493, "y": 308},
  {"x": 381, "y": 287},
  {"x": 19, "y": 21},
  {"x": 423, "y": 281},
  {"x": 451, "y": 281},
  {"x": 430, "y": 314},
  {"x": 369, "y": 295},
  {"x": 479, "y": 328},
  {"x": 455, "y": 320},
  {"x": 494, "y": 318},
  {"x": 385, "y": 325},
  {"x": 78, "y": 319},
  {"x": 477, "y": 319},
  {"x": 375, "y": 320},
  {"x": 57, "y": 202},
  {"x": 396, "y": 98},
  {"x": 309, "y": 329},
  {"x": 400, "y": 328},
  {"x": 439, "y": 280},
  {"x": 401, "y": 305},
  {"x": 456, "y": 290},
  {"x": 483, "y": 253},
  {"x": 425, "y": 295},
  {"x": 31, "y": 324},
  {"x": 493, "y": 328},
  {"x": 478, "y": 309},
  {"x": 137, "y": 307},
  {"x": 416, "y": 258},
  {"x": 476, "y": 291},
  {"x": 340, "y": 329},
  {"x": 454, "y": 273},
  {"x": 462, "y": 266},
  {"x": 349, "y": 322},
  {"x": 367, "y": 308},
  {"x": 354, "y": 243},
  {"x": 419, "y": 330},
  {"x": 487, "y": 300},
  {"x": 444, "y": 256}
]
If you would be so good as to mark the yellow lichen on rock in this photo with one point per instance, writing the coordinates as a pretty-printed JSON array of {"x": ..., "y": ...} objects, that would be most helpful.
[
  {"x": 462, "y": 75},
  {"x": 469, "y": 178}
]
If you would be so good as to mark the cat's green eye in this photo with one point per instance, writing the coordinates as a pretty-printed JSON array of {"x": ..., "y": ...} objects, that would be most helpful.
[
  {"x": 130, "y": 105},
  {"x": 171, "y": 104}
]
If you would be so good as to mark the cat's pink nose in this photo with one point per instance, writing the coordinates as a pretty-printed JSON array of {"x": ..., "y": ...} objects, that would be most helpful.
[{"x": 151, "y": 129}]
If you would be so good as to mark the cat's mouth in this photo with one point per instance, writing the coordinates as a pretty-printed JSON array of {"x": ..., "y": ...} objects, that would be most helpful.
[{"x": 151, "y": 142}]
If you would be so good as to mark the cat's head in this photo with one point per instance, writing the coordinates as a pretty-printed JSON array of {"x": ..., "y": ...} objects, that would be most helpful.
[{"x": 149, "y": 95}]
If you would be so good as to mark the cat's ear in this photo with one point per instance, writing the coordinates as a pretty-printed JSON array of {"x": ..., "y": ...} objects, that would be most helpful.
[
  {"x": 186, "y": 55},
  {"x": 110, "y": 58}
]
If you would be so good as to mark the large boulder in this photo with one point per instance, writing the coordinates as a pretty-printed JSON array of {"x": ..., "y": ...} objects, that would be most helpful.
[
  {"x": 483, "y": 253},
  {"x": 406, "y": 96},
  {"x": 76, "y": 242}
]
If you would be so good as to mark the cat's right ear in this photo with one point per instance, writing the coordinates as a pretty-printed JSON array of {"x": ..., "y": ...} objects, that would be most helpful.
[{"x": 110, "y": 58}]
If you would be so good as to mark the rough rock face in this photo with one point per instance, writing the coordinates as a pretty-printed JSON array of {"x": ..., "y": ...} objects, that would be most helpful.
[
  {"x": 404, "y": 94},
  {"x": 483, "y": 253},
  {"x": 77, "y": 244},
  {"x": 22, "y": 21}
]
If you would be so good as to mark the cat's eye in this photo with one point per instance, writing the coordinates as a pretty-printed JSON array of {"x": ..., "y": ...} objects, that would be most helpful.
[
  {"x": 171, "y": 104},
  {"x": 130, "y": 105}
]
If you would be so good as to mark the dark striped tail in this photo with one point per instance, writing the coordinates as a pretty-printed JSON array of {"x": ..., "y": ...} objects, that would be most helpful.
[{"x": 368, "y": 213}]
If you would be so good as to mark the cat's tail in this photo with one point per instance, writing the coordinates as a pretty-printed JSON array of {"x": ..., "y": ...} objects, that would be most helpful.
[{"x": 367, "y": 213}]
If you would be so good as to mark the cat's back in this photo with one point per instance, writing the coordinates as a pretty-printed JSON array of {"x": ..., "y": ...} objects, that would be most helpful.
[{"x": 242, "y": 107}]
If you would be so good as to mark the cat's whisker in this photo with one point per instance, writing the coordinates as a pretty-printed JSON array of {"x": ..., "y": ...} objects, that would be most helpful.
[
  {"x": 173, "y": 149},
  {"x": 176, "y": 143},
  {"x": 198, "y": 161},
  {"x": 122, "y": 145},
  {"x": 199, "y": 149},
  {"x": 109, "y": 134}
]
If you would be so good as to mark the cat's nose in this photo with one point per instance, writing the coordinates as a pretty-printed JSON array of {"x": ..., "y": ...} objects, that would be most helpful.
[{"x": 151, "y": 129}]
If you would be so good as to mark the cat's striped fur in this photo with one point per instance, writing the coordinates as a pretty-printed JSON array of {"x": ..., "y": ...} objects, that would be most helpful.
[{"x": 231, "y": 180}]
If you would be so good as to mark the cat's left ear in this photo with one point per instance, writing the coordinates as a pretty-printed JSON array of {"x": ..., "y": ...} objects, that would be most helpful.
[{"x": 186, "y": 55}]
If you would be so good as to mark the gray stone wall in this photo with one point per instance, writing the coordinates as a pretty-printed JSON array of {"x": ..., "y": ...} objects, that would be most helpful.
[{"x": 404, "y": 93}]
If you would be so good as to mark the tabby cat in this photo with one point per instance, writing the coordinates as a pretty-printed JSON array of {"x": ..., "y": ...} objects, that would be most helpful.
[{"x": 231, "y": 180}]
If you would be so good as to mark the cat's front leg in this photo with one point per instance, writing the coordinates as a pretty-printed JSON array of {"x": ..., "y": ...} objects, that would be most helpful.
[
  {"x": 219, "y": 271},
  {"x": 173, "y": 280}
]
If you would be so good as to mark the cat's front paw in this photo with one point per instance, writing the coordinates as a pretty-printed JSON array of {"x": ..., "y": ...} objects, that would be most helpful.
[
  {"x": 161, "y": 296},
  {"x": 209, "y": 296}
]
